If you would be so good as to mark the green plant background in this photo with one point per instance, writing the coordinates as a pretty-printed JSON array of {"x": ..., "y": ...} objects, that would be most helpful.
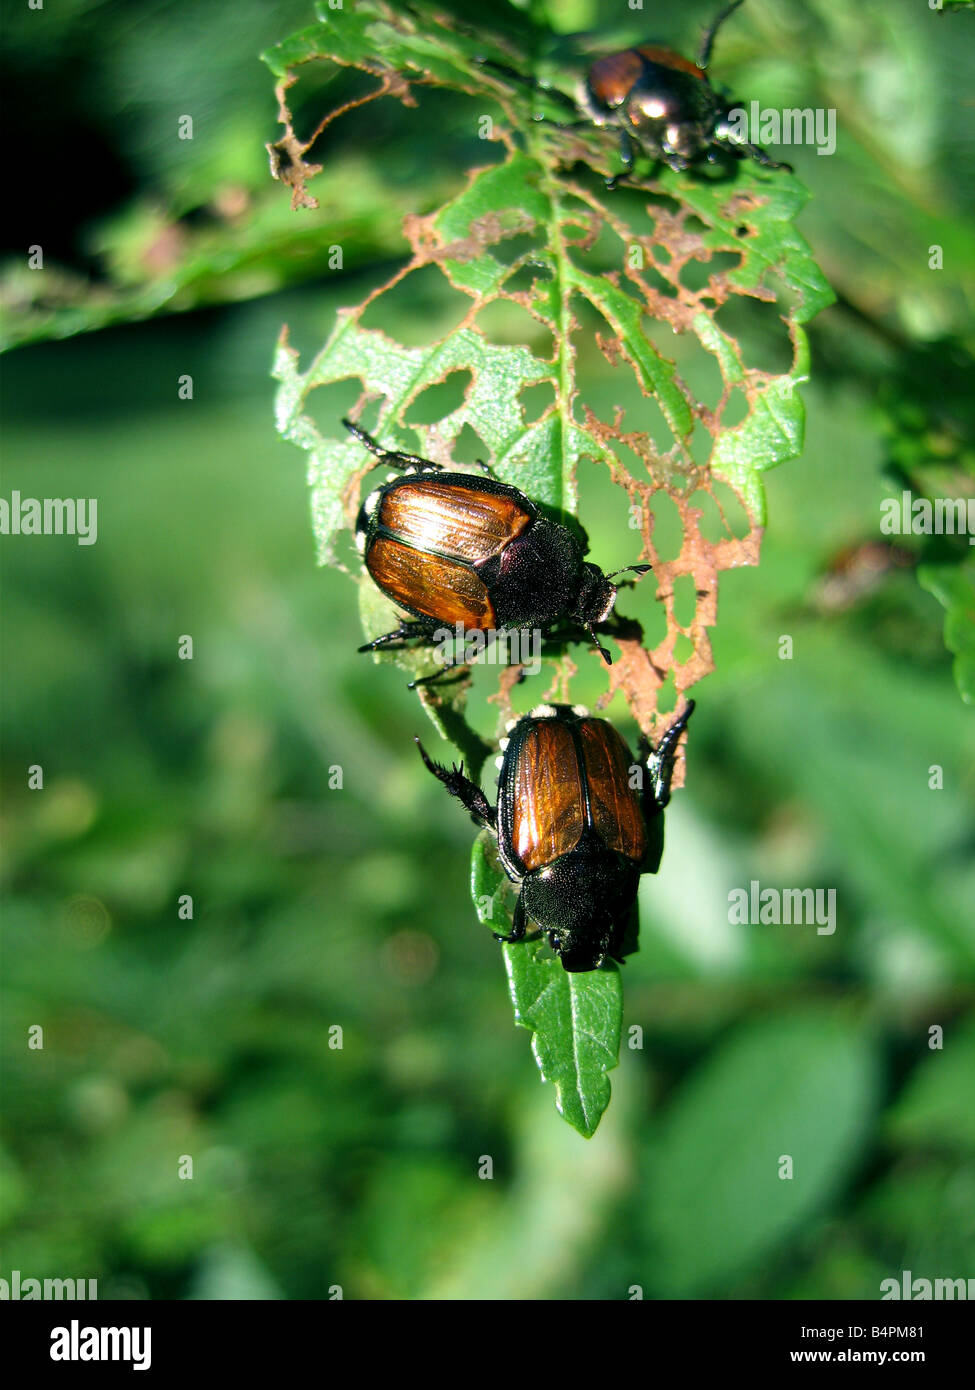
[{"x": 316, "y": 906}]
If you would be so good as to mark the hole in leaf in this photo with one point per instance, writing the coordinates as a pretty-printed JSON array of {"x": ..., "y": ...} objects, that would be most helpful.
[
  {"x": 702, "y": 443},
  {"x": 639, "y": 262},
  {"x": 683, "y": 649},
  {"x": 697, "y": 274},
  {"x": 325, "y": 86},
  {"x": 575, "y": 231},
  {"x": 419, "y": 310},
  {"x": 400, "y": 437},
  {"x": 468, "y": 447},
  {"x": 732, "y": 509},
  {"x": 328, "y": 403},
  {"x": 604, "y": 510},
  {"x": 527, "y": 278},
  {"x": 607, "y": 385},
  {"x": 512, "y": 249},
  {"x": 685, "y": 599},
  {"x": 710, "y": 524},
  {"x": 735, "y": 409},
  {"x": 606, "y": 253},
  {"x": 760, "y": 330},
  {"x": 641, "y": 602},
  {"x": 667, "y": 695},
  {"x": 618, "y": 712},
  {"x": 535, "y": 400},
  {"x": 441, "y": 399},
  {"x": 698, "y": 369},
  {"x": 668, "y": 529},
  {"x": 652, "y": 206},
  {"x": 630, "y": 459},
  {"x": 505, "y": 323}
]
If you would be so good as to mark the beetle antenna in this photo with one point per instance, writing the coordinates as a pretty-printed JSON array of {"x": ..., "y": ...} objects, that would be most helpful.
[
  {"x": 631, "y": 569},
  {"x": 707, "y": 42}
]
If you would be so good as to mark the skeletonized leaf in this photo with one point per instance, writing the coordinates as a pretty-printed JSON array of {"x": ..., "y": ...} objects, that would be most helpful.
[{"x": 538, "y": 233}]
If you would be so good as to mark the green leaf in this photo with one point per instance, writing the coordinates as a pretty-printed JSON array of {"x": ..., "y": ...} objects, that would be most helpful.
[
  {"x": 155, "y": 261},
  {"x": 391, "y": 43},
  {"x": 937, "y": 1106},
  {"x": 922, "y": 1210},
  {"x": 954, "y": 588},
  {"x": 803, "y": 1087},
  {"x": 13, "y": 1189},
  {"x": 575, "y": 1018}
]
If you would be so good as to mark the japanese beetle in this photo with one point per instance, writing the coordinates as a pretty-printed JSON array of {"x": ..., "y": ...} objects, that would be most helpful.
[
  {"x": 665, "y": 104},
  {"x": 453, "y": 548},
  {"x": 659, "y": 101},
  {"x": 577, "y": 823}
]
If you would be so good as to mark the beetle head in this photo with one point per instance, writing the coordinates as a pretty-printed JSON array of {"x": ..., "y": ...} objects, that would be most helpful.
[
  {"x": 580, "y": 951},
  {"x": 596, "y": 596},
  {"x": 579, "y": 900}
]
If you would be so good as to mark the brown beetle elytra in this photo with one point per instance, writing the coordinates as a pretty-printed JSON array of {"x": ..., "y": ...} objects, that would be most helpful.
[
  {"x": 575, "y": 827},
  {"x": 455, "y": 548}
]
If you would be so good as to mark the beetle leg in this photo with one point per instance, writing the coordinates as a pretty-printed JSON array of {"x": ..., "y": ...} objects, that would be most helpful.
[
  {"x": 404, "y": 632},
  {"x": 707, "y": 42},
  {"x": 760, "y": 157},
  {"x": 660, "y": 763},
  {"x": 725, "y": 139},
  {"x": 468, "y": 793},
  {"x": 600, "y": 649},
  {"x": 627, "y": 155},
  {"x": 563, "y": 125},
  {"x": 742, "y": 148},
  {"x": 447, "y": 666},
  {"x": 519, "y": 928},
  {"x": 392, "y": 458},
  {"x": 435, "y": 675}
]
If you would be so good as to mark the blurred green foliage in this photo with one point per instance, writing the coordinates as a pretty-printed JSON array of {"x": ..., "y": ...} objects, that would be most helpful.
[{"x": 316, "y": 906}]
